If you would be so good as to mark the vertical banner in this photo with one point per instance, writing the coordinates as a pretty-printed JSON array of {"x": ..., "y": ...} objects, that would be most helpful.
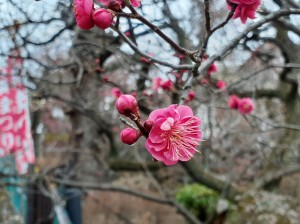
[{"x": 15, "y": 128}]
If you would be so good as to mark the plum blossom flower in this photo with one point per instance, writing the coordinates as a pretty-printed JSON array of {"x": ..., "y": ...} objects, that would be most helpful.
[
  {"x": 157, "y": 81},
  {"x": 204, "y": 81},
  {"x": 127, "y": 105},
  {"x": 116, "y": 92},
  {"x": 135, "y": 3},
  {"x": 191, "y": 96},
  {"x": 83, "y": 11},
  {"x": 175, "y": 134},
  {"x": 221, "y": 84},
  {"x": 245, "y": 9},
  {"x": 105, "y": 78},
  {"x": 129, "y": 136},
  {"x": 167, "y": 85},
  {"x": 212, "y": 69},
  {"x": 103, "y": 18},
  {"x": 233, "y": 101},
  {"x": 246, "y": 106}
]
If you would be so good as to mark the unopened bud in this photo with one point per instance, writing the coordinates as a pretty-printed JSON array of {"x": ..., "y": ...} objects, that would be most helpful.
[
  {"x": 127, "y": 105},
  {"x": 129, "y": 136},
  {"x": 148, "y": 125}
]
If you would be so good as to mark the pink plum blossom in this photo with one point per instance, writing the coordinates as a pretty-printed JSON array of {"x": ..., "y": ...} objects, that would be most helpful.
[
  {"x": 221, "y": 84},
  {"x": 116, "y": 92},
  {"x": 83, "y": 10},
  {"x": 245, "y": 9},
  {"x": 135, "y": 3},
  {"x": 233, "y": 101},
  {"x": 103, "y": 18},
  {"x": 129, "y": 136},
  {"x": 105, "y": 79},
  {"x": 190, "y": 96},
  {"x": 167, "y": 85},
  {"x": 127, "y": 105},
  {"x": 204, "y": 81},
  {"x": 157, "y": 81},
  {"x": 246, "y": 106},
  {"x": 175, "y": 134},
  {"x": 212, "y": 69}
]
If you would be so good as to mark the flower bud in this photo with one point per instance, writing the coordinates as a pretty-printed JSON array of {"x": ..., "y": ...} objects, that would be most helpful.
[
  {"x": 116, "y": 92},
  {"x": 116, "y": 5},
  {"x": 103, "y": 18},
  {"x": 148, "y": 125},
  {"x": 167, "y": 85},
  {"x": 233, "y": 101},
  {"x": 127, "y": 105},
  {"x": 105, "y": 78},
  {"x": 129, "y": 136},
  {"x": 221, "y": 84}
]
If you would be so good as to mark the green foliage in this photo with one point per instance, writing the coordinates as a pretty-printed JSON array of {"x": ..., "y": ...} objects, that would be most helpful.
[{"x": 198, "y": 199}]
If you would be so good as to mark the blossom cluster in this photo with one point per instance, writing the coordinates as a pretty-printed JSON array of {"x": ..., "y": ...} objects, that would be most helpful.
[
  {"x": 172, "y": 133},
  {"x": 243, "y": 105},
  {"x": 87, "y": 16}
]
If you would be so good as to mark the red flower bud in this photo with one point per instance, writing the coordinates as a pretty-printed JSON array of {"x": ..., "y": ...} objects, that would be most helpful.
[
  {"x": 105, "y": 78},
  {"x": 127, "y": 105},
  {"x": 246, "y": 106},
  {"x": 116, "y": 5},
  {"x": 167, "y": 85},
  {"x": 103, "y": 18},
  {"x": 233, "y": 101},
  {"x": 129, "y": 136},
  {"x": 116, "y": 92},
  {"x": 148, "y": 125}
]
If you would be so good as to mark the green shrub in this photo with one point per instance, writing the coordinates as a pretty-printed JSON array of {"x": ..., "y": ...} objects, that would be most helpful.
[{"x": 200, "y": 200}]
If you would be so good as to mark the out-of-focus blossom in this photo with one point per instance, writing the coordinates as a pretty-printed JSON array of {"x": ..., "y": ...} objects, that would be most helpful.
[
  {"x": 167, "y": 85},
  {"x": 156, "y": 84},
  {"x": 191, "y": 96},
  {"x": 233, "y": 101},
  {"x": 212, "y": 69},
  {"x": 83, "y": 10},
  {"x": 245, "y": 9},
  {"x": 129, "y": 136},
  {"x": 221, "y": 84},
  {"x": 135, "y": 3},
  {"x": 246, "y": 106},
  {"x": 175, "y": 134},
  {"x": 116, "y": 92},
  {"x": 106, "y": 79},
  {"x": 204, "y": 81}
]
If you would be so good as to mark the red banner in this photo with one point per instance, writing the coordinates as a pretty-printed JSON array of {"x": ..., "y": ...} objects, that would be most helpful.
[{"x": 15, "y": 129}]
